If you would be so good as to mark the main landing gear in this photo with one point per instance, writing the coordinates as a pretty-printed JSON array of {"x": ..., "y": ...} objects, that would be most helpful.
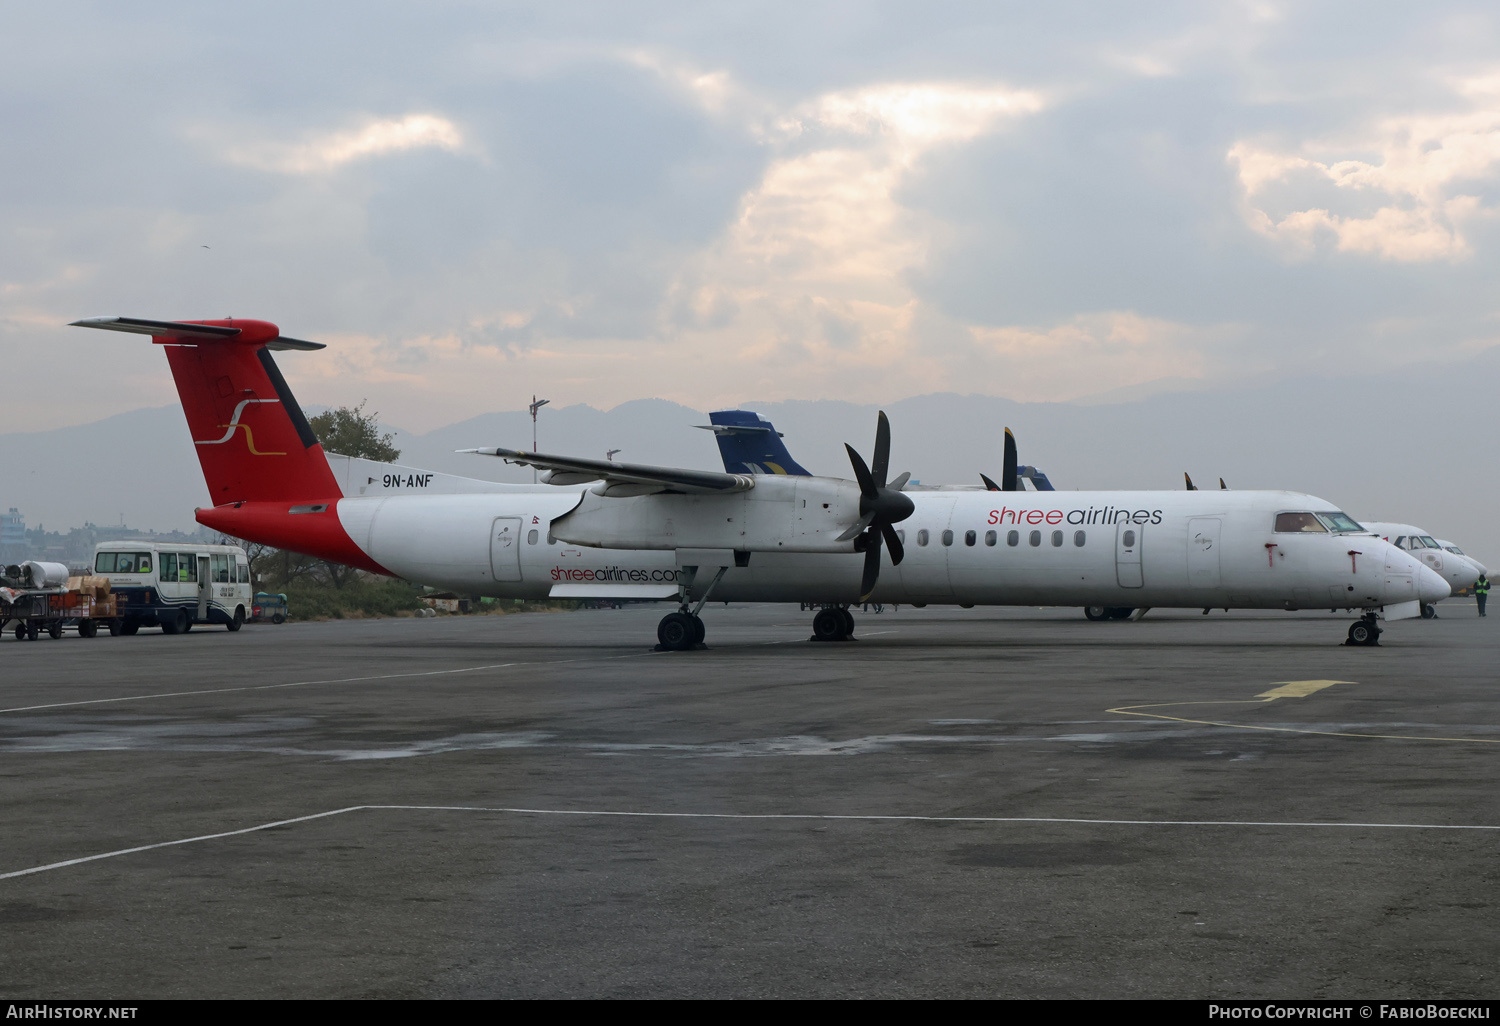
[
  {"x": 835, "y": 623},
  {"x": 682, "y": 630},
  {"x": 1364, "y": 631},
  {"x": 1108, "y": 612}
]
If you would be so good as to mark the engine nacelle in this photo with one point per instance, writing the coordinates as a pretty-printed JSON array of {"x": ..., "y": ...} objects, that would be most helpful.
[{"x": 779, "y": 514}]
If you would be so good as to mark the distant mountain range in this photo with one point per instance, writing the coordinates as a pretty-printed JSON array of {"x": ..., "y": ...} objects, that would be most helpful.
[{"x": 1419, "y": 445}]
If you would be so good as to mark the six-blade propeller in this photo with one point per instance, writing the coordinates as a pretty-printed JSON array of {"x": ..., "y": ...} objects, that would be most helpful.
[{"x": 881, "y": 506}]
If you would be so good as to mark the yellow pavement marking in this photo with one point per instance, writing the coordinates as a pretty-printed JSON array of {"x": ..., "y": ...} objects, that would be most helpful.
[
  {"x": 1288, "y": 689},
  {"x": 1300, "y": 688}
]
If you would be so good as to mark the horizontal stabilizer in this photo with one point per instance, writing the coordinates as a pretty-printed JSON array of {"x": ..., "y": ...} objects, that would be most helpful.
[
  {"x": 186, "y": 330},
  {"x": 638, "y": 478}
]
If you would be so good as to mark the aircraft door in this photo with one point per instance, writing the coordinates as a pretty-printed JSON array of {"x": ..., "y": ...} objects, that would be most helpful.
[
  {"x": 205, "y": 587},
  {"x": 1128, "y": 554},
  {"x": 505, "y": 548},
  {"x": 1203, "y": 552}
]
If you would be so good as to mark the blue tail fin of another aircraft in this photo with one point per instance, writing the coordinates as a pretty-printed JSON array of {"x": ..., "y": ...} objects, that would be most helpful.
[{"x": 750, "y": 445}]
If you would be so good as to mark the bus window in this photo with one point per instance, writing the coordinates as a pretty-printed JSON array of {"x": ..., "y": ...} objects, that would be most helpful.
[
  {"x": 1299, "y": 523},
  {"x": 241, "y": 573},
  {"x": 219, "y": 569},
  {"x": 168, "y": 561},
  {"x": 187, "y": 567},
  {"x": 122, "y": 563}
]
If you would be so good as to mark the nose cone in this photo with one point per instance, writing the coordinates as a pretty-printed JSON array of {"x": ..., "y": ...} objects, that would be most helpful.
[
  {"x": 1460, "y": 573},
  {"x": 1430, "y": 585}
]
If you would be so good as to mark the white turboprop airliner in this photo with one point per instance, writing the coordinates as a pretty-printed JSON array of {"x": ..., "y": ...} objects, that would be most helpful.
[
  {"x": 1459, "y": 570},
  {"x": 623, "y": 530}
]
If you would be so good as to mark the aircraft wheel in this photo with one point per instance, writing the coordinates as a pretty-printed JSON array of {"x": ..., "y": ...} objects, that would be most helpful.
[
  {"x": 848, "y": 622},
  {"x": 677, "y": 632},
  {"x": 239, "y": 619},
  {"x": 830, "y": 625},
  {"x": 1096, "y": 612},
  {"x": 1363, "y": 632},
  {"x": 1429, "y": 611},
  {"x": 1121, "y": 612}
]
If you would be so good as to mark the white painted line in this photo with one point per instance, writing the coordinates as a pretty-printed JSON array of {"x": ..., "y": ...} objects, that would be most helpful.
[
  {"x": 310, "y": 683},
  {"x": 870, "y": 818},
  {"x": 168, "y": 844},
  {"x": 255, "y": 687}
]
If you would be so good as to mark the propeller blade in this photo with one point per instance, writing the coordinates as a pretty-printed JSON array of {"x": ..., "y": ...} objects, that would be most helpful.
[
  {"x": 882, "y": 462},
  {"x": 862, "y": 473},
  {"x": 859, "y": 528},
  {"x": 992, "y": 486},
  {"x": 893, "y": 541},
  {"x": 900, "y": 481},
  {"x": 1222, "y": 486},
  {"x": 1190, "y": 486},
  {"x": 872, "y": 570},
  {"x": 1008, "y": 481}
]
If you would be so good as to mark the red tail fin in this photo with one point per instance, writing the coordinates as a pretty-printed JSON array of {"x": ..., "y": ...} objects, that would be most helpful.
[{"x": 253, "y": 442}]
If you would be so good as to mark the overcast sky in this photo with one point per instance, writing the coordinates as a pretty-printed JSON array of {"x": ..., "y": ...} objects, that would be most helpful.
[{"x": 718, "y": 203}]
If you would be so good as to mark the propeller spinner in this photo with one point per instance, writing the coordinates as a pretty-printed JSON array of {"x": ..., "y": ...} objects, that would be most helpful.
[{"x": 880, "y": 507}]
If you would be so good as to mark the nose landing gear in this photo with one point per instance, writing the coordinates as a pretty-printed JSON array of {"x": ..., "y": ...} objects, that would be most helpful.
[{"x": 1364, "y": 631}]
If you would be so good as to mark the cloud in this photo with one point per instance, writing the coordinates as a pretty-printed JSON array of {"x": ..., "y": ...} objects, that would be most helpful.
[
  {"x": 1424, "y": 178},
  {"x": 813, "y": 268},
  {"x": 329, "y": 151}
]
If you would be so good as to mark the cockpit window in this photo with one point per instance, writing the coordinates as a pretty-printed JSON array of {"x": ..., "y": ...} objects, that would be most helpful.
[
  {"x": 1454, "y": 549},
  {"x": 1338, "y": 522},
  {"x": 1299, "y": 523},
  {"x": 1430, "y": 542}
]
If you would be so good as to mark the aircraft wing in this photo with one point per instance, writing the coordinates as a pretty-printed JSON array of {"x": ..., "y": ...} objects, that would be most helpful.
[{"x": 623, "y": 478}]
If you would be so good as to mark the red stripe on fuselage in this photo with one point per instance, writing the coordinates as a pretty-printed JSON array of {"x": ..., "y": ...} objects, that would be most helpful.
[{"x": 271, "y": 523}]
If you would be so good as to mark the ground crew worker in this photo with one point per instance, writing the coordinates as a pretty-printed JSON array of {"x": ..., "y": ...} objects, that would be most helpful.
[{"x": 1481, "y": 591}]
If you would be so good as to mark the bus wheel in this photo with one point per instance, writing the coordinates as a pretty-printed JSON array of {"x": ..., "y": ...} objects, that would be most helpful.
[
  {"x": 129, "y": 627},
  {"x": 239, "y": 619},
  {"x": 177, "y": 623}
]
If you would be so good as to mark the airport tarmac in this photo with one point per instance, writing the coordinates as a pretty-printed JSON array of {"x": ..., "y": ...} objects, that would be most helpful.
[{"x": 962, "y": 803}]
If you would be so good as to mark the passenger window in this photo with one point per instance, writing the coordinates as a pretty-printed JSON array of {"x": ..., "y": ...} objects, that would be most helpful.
[
  {"x": 970, "y": 537},
  {"x": 901, "y": 535},
  {"x": 947, "y": 537},
  {"x": 990, "y": 538},
  {"x": 1079, "y": 538},
  {"x": 1035, "y": 539},
  {"x": 922, "y": 536},
  {"x": 187, "y": 567},
  {"x": 219, "y": 568},
  {"x": 531, "y": 536},
  {"x": 1128, "y": 539},
  {"x": 1299, "y": 523},
  {"x": 241, "y": 574},
  {"x": 1012, "y": 538},
  {"x": 169, "y": 566},
  {"x": 1057, "y": 539}
]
